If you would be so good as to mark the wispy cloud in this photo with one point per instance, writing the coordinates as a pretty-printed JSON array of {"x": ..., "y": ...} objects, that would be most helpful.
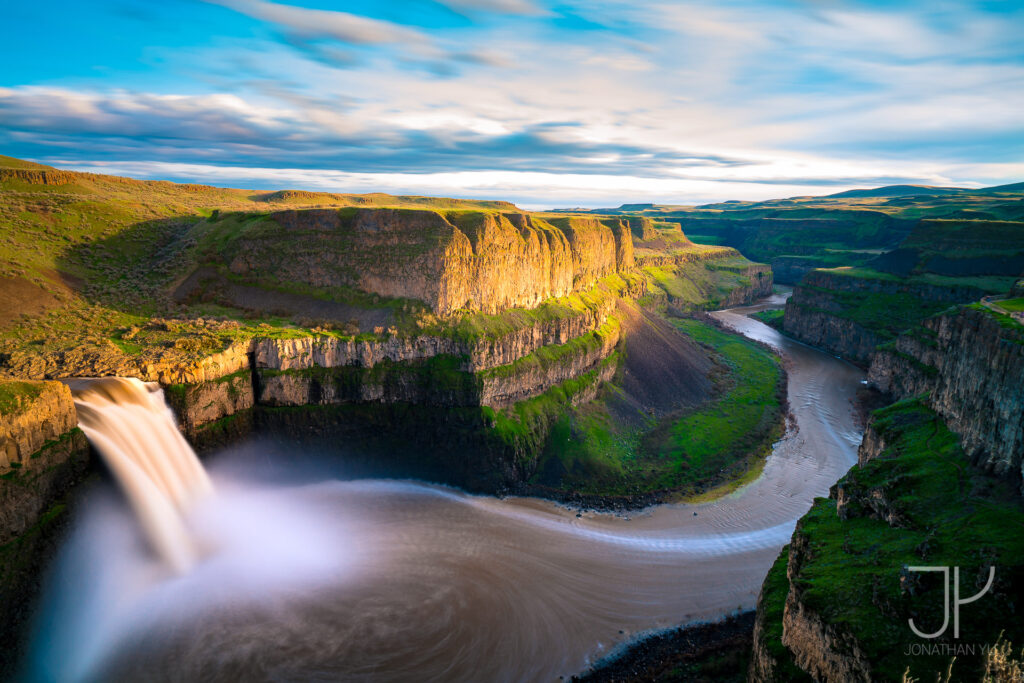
[
  {"x": 524, "y": 7},
  {"x": 667, "y": 96},
  {"x": 316, "y": 23}
]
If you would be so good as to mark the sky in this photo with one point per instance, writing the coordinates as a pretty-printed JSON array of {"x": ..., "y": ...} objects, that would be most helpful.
[{"x": 546, "y": 103}]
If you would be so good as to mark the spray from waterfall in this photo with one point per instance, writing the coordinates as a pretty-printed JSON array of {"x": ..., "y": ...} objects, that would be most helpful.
[{"x": 134, "y": 430}]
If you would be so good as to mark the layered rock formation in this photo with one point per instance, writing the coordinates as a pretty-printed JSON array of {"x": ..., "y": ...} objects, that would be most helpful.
[
  {"x": 850, "y": 314},
  {"x": 970, "y": 363},
  {"x": 913, "y": 499},
  {"x": 42, "y": 455},
  {"x": 456, "y": 260},
  {"x": 41, "y": 451},
  {"x": 760, "y": 278},
  {"x": 443, "y": 380}
]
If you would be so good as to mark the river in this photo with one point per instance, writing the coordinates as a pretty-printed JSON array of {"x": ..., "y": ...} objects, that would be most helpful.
[{"x": 389, "y": 580}]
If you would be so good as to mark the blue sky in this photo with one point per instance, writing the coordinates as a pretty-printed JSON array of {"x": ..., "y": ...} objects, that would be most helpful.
[{"x": 574, "y": 103}]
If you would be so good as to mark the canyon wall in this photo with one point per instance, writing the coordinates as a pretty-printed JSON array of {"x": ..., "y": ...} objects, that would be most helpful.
[
  {"x": 850, "y": 315},
  {"x": 42, "y": 456},
  {"x": 937, "y": 483},
  {"x": 761, "y": 279},
  {"x": 41, "y": 451},
  {"x": 441, "y": 380},
  {"x": 449, "y": 260},
  {"x": 970, "y": 363}
]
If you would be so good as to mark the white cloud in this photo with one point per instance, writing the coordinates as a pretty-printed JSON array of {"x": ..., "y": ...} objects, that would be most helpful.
[
  {"x": 315, "y": 23},
  {"x": 538, "y": 190},
  {"x": 524, "y": 7}
]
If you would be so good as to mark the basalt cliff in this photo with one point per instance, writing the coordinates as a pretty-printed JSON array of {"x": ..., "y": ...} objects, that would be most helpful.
[
  {"x": 937, "y": 484},
  {"x": 468, "y": 260},
  {"x": 850, "y": 312}
]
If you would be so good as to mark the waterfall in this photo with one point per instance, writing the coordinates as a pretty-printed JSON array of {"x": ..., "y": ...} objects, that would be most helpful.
[{"x": 134, "y": 430}]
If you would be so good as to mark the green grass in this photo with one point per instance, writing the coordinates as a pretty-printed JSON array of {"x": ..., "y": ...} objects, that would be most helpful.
[
  {"x": 946, "y": 514},
  {"x": 16, "y": 396},
  {"x": 1013, "y": 305},
  {"x": 555, "y": 354},
  {"x": 772, "y": 316},
  {"x": 886, "y": 313},
  {"x": 726, "y": 438},
  {"x": 771, "y": 609},
  {"x": 699, "y": 285},
  {"x": 1005, "y": 321},
  {"x": 11, "y": 162},
  {"x": 715, "y": 448}
]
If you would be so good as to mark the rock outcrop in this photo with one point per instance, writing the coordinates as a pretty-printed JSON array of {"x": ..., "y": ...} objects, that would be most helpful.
[
  {"x": 970, "y": 363},
  {"x": 481, "y": 352},
  {"x": 41, "y": 451},
  {"x": 456, "y": 260},
  {"x": 850, "y": 315},
  {"x": 760, "y": 284},
  {"x": 42, "y": 456},
  {"x": 441, "y": 380},
  {"x": 824, "y": 650},
  {"x": 32, "y": 414},
  {"x": 850, "y": 587},
  {"x": 201, "y": 404}
]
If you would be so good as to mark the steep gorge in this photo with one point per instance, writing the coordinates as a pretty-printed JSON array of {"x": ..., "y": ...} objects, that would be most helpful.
[
  {"x": 849, "y": 312},
  {"x": 938, "y": 483}
]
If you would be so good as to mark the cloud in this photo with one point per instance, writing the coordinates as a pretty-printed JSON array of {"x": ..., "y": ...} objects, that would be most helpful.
[
  {"x": 529, "y": 189},
  {"x": 315, "y": 23},
  {"x": 679, "y": 95},
  {"x": 316, "y": 33},
  {"x": 216, "y": 127},
  {"x": 523, "y": 7}
]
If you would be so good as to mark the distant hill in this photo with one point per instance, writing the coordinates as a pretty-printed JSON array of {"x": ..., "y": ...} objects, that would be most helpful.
[
  {"x": 898, "y": 191},
  {"x": 11, "y": 162},
  {"x": 1013, "y": 187}
]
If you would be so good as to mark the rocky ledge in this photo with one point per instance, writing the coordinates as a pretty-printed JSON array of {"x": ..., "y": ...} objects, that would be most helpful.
[
  {"x": 849, "y": 312},
  {"x": 970, "y": 363},
  {"x": 837, "y": 604}
]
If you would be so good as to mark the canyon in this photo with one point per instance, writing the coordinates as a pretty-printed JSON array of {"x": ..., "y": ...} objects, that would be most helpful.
[
  {"x": 479, "y": 324},
  {"x": 514, "y": 352}
]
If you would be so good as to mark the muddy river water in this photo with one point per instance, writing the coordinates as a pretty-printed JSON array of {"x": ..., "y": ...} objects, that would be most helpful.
[{"x": 388, "y": 580}]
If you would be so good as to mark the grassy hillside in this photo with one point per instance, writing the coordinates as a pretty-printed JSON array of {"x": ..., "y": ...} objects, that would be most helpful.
[
  {"x": 86, "y": 259},
  {"x": 11, "y": 162},
  {"x": 604, "y": 449},
  {"x": 921, "y": 503}
]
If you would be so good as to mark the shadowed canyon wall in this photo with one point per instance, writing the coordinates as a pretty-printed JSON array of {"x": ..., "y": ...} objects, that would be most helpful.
[{"x": 849, "y": 315}]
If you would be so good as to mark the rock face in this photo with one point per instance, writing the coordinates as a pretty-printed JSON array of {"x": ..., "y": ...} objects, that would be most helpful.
[
  {"x": 36, "y": 414},
  {"x": 913, "y": 499},
  {"x": 971, "y": 363},
  {"x": 161, "y": 365},
  {"x": 42, "y": 455},
  {"x": 761, "y": 281},
  {"x": 477, "y": 261},
  {"x": 198, "y": 405},
  {"x": 849, "y": 315},
  {"x": 41, "y": 451},
  {"x": 441, "y": 380},
  {"x": 481, "y": 353},
  {"x": 825, "y": 651}
]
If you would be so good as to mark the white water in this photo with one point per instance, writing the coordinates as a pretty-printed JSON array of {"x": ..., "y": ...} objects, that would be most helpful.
[
  {"x": 401, "y": 581},
  {"x": 132, "y": 427}
]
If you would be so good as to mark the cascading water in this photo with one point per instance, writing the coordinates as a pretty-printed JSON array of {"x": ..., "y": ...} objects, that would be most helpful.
[
  {"x": 132, "y": 427},
  {"x": 302, "y": 576}
]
